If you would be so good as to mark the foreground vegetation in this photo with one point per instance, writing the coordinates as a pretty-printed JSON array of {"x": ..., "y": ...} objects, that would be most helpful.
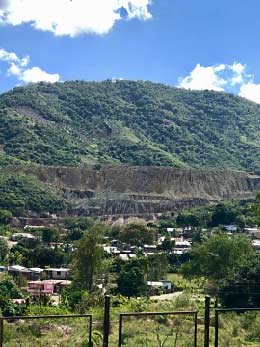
[
  {"x": 220, "y": 264},
  {"x": 235, "y": 330}
]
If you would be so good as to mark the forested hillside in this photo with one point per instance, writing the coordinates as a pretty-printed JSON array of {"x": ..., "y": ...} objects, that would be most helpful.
[{"x": 135, "y": 123}]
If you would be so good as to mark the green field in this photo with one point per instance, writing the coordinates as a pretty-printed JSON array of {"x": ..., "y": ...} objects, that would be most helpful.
[{"x": 162, "y": 331}]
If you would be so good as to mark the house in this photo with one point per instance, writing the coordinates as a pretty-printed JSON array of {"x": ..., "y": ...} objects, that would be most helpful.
[
  {"x": 32, "y": 274},
  {"x": 179, "y": 231},
  {"x": 127, "y": 256},
  {"x": 181, "y": 246},
  {"x": 256, "y": 244},
  {"x": 56, "y": 245},
  {"x": 46, "y": 287},
  {"x": 170, "y": 231},
  {"x": 19, "y": 271},
  {"x": 36, "y": 273},
  {"x": 112, "y": 250},
  {"x": 164, "y": 285},
  {"x": 18, "y": 301},
  {"x": 253, "y": 232},
  {"x": 27, "y": 227},
  {"x": 57, "y": 273},
  {"x": 2, "y": 269},
  {"x": 36, "y": 288},
  {"x": 22, "y": 236},
  {"x": 150, "y": 249},
  {"x": 231, "y": 228},
  {"x": 115, "y": 243}
]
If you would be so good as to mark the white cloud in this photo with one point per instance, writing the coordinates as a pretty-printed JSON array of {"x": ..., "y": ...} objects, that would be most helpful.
[
  {"x": 239, "y": 74},
  {"x": 250, "y": 91},
  {"x": 8, "y": 56},
  {"x": 18, "y": 67},
  {"x": 204, "y": 78},
  {"x": 223, "y": 77},
  {"x": 71, "y": 17},
  {"x": 35, "y": 74},
  {"x": 14, "y": 70}
]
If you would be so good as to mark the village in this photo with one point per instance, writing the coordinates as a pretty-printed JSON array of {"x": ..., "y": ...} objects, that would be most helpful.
[{"x": 46, "y": 281}]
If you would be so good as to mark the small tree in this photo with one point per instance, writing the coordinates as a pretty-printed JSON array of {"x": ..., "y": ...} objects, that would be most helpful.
[
  {"x": 87, "y": 259},
  {"x": 132, "y": 277},
  {"x": 131, "y": 282},
  {"x": 5, "y": 216},
  {"x": 4, "y": 249},
  {"x": 157, "y": 267},
  {"x": 50, "y": 235},
  {"x": 46, "y": 256},
  {"x": 223, "y": 214},
  {"x": 137, "y": 235},
  {"x": 77, "y": 226},
  {"x": 219, "y": 258},
  {"x": 243, "y": 290},
  {"x": 167, "y": 245},
  {"x": 256, "y": 209},
  {"x": 9, "y": 290}
]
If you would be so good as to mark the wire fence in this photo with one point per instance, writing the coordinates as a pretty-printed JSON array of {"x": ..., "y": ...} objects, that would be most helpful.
[
  {"x": 47, "y": 331},
  {"x": 158, "y": 329},
  {"x": 242, "y": 319},
  {"x": 134, "y": 329}
]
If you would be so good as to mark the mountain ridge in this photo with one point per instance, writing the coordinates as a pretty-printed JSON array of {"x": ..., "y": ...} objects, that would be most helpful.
[{"x": 128, "y": 122}]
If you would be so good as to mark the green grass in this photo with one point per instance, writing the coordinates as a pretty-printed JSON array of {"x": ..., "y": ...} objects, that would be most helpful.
[
  {"x": 180, "y": 283},
  {"x": 162, "y": 331}
]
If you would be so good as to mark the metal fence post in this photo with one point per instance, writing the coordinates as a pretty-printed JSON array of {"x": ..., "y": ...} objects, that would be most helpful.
[
  {"x": 106, "y": 326},
  {"x": 90, "y": 332},
  {"x": 120, "y": 330},
  {"x": 216, "y": 328},
  {"x": 196, "y": 329},
  {"x": 1, "y": 332},
  {"x": 206, "y": 321}
]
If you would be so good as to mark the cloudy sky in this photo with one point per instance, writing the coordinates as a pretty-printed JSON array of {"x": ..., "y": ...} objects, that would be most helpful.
[{"x": 195, "y": 44}]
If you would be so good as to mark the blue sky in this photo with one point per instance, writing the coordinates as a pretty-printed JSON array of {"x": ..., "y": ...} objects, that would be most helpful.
[{"x": 196, "y": 44}]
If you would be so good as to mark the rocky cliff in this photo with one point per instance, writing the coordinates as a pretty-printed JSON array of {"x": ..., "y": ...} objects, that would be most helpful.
[{"x": 141, "y": 191}]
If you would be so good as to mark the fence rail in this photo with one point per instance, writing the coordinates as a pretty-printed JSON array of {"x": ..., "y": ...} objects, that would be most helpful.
[
  {"x": 149, "y": 314},
  {"x": 123, "y": 316},
  {"x": 218, "y": 311}
]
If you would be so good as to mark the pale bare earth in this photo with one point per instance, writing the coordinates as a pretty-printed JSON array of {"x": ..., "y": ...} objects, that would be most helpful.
[{"x": 166, "y": 297}]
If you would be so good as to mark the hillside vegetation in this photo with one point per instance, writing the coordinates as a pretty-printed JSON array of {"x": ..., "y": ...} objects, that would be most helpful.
[
  {"x": 20, "y": 193},
  {"x": 136, "y": 123}
]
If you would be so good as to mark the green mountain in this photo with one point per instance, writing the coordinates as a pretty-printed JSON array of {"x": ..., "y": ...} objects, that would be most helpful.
[{"x": 135, "y": 123}]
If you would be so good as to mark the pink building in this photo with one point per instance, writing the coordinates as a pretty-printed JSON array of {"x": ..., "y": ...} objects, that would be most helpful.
[
  {"x": 40, "y": 287},
  {"x": 49, "y": 287}
]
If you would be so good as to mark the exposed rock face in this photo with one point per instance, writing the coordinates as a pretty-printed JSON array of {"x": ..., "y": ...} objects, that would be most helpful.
[
  {"x": 149, "y": 181},
  {"x": 141, "y": 191}
]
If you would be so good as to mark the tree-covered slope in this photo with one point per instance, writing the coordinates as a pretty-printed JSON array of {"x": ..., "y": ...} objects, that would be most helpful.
[{"x": 138, "y": 123}]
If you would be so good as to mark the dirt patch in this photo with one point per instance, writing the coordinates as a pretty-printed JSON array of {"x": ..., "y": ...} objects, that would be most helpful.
[{"x": 32, "y": 114}]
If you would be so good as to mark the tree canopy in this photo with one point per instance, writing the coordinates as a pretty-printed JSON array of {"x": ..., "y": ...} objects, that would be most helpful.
[
  {"x": 20, "y": 193},
  {"x": 87, "y": 259},
  {"x": 129, "y": 122},
  {"x": 219, "y": 258},
  {"x": 137, "y": 235}
]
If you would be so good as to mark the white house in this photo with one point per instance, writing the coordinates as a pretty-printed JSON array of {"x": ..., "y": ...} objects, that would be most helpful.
[
  {"x": 21, "y": 236},
  {"x": 181, "y": 246},
  {"x": 166, "y": 286},
  {"x": 150, "y": 249},
  {"x": 256, "y": 244},
  {"x": 57, "y": 273}
]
